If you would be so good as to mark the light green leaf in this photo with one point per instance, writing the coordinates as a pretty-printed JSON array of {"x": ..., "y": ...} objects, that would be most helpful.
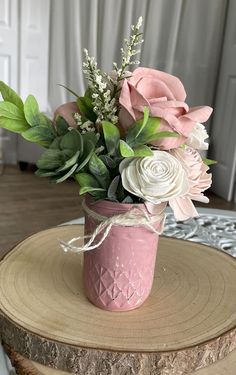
[
  {"x": 112, "y": 137},
  {"x": 86, "y": 180},
  {"x": 45, "y": 173},
  {"x": 67, "y": 175},
  {"x": 51, "y": 159},
  {"x": 72, "y": 140},
  {"x": 41, "y": 135},
  {"x": 151, "y": 128},
  {"x": 164, "y": 134},
  {"x": 209, "y": 161},
  {"x": 125, "y": 150},
  {"x": 69, "y": 162},
  {"x": 11, "y": 111},
  {"x": 45, "y": 121},
  {"x": 145, "y": 120},
  {"x": 142, "y": 151},
  {"x": 10, "y": 95},
  {"x": 86, "y": 108},
  {"x": 31, "y": 110},
  {"x": 16, "y": 126},
  {"x": 89, "y": 189},
  {"x": 99, "y": 170}
]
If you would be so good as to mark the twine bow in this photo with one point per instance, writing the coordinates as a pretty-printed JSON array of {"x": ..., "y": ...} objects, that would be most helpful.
[{"x": 137, "y": 216}]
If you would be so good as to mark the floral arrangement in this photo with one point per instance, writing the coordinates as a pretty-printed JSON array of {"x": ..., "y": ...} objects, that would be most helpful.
[{"x": 131, "y": 138}]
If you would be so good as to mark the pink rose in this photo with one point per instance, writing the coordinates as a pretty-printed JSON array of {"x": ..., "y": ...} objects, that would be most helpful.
[
  {"x": 164, "y": 94},
  {"x": 66, "y": 110},
  {"x": 198, "y": 178}
]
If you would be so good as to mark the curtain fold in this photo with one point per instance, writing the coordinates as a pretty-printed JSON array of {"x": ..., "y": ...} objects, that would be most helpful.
[{"x": 182, "y": 37}]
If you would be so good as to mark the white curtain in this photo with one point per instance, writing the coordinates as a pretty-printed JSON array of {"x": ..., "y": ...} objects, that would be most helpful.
[{"x": 182, "y": 37}]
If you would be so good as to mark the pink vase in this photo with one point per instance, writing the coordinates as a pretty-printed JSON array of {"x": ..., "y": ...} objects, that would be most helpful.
[{"x": 118, "y": 275}]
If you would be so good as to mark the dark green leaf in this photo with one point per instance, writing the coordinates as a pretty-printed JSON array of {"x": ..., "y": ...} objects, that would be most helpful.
[
  {"x": 112, "y": 137},
  {"x": 67, "y": 175},
  {"x": 11, "y": 111},
  {"x": 125, "y": 150},
  {"x": 51, "y": 159},
  {"x": 41, "y": 135},
  {"x": 88, "y": 152},
  {"x": 68, "y": 89},
  {"x": 68, "y": 153},
  {"x": 99, "y": 171},
  {"x": 110, "y": 163},
  {"x": 70, "y": 162},
  {"x": 31, "y": 110},
  {"x": 16, "y": 126},
  {"x": 72, "y": 140},
  {"x": 90, "y": 137},
  {"x": 61, "y": 125},
  {"x": 45, "y": 173},
  {"x": 10, "y": 95},
  {"x": 112, "y": 190},
  {"x": 86, "y": 108},
  {"x": 151, "y": 128},
  {"x": 56, "y": 143}
]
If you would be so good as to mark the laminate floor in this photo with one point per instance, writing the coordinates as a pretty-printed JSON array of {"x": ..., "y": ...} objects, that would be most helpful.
[{"x": 29, "y": 204}]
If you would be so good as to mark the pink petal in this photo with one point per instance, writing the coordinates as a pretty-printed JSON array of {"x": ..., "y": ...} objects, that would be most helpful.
[
  {"x": 174, "y": 84},
  {"x": 153, "y": 88},
  {"x": 183, "y": 208},
  {"x": 199, "y": 114},
  {"x": 66, "y": 110}
]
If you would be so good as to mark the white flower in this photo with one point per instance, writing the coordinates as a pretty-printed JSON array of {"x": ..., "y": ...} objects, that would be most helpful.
[
  {"x": 156, "y": 179},
  {"x": 197, "y": 137}
]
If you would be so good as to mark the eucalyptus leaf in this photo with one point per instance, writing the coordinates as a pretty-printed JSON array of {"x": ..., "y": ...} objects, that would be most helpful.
[
  {"x": 11, "y": 111},
  {"x": 10, "y": 95},
  {"x": 112, "y": 137},
  {"x": 51, "y": 159},
  {"x": 41, "y": 135},
  {"x": 68, "y": 153},
  {"x": 128, "y": 199},
  {"x": 125, "y": 150},
  {"x": 67, "y": 175},
  {"x": 110, "y": 163},
  {"x": 86, "y": 108},
  {"x": 112, "y": 190},
  {"x": 16, "y": 126},
  {"x": 88, "y": 152},
  {"x": 90, "y": 137},
  {"x": 99, "y": 170},
  {"x": 89, "y": 189},
  {"x": 31, "y": 110},
  {"x": 45, "y": 173},
  {"x": 69, "y": 163}
]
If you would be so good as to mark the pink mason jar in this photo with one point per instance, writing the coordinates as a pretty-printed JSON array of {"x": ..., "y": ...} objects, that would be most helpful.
[{"x": 118, "y": 275}]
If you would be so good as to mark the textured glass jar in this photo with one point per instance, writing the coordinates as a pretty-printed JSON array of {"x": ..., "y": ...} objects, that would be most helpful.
[{"x": 118, "y": 275}]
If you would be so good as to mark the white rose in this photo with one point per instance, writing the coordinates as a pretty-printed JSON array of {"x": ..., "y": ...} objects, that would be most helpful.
[
  {"x": 156, "y": 178},
  {"x": 197, "y": 137}
]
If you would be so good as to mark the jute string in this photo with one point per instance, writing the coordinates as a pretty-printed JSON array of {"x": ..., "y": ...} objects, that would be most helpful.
[{"x": 137, "y": 216}]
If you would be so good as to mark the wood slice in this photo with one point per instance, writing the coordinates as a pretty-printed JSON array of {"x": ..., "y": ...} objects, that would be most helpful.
[
  {"x": 188, "y": 322},
  {"x": 226, "y": 366}
]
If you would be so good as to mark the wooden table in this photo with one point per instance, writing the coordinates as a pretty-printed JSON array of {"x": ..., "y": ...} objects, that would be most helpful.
[{"x": 188, "y": 321}]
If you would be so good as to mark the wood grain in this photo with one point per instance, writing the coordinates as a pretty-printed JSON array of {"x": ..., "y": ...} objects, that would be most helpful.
[{"x": 188, "y": 322}]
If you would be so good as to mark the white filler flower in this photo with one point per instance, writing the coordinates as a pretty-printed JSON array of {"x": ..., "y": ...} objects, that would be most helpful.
[
  {"x": 196, "y": 138},
  {"x": 156, "y": 178}
]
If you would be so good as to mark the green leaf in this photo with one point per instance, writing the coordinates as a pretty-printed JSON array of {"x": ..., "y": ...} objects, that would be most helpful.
[
  {"x": 16, "y": 126},
  {"x": 10, "y": 95},
  {"x": 145, "y": 120},
  {"x": 45, "y": 173},
  {"x": 88, "y": 152},
  {"x": 51, "y": 159},
  {"x": 125, "y": 150},
  {"x": 11, "y": 111},
  {"x": 61, "y": 125},
  {"x": 45, "y": 121},
  {"x": 69, "y": 162},
  {"x": 209, "y": 161},
  {"x": 164, "y": 134},
  {"x": 31, "y": 110},
  {"x": 112, "y": 190},
  {"x": 72, "y": 140},
  {"x": 68, "y": 89},
  {"x": 86, "y": 179},
  {"x": 67, "y": 175},
  {"x": 99, "y": 170},
  {"x": 56, "y": 143},
  {"x": 142, "y": 151},
  {"x": 110, "y": 163},
  {"x": 135, "y": 137},
  {"x": 111, "y": 136},
  {"x": 41, "y": 135},
  {"x": 86, "y": 108},
  {"x": 128, "y": 199},
  {"x": 90, "y": 137}
]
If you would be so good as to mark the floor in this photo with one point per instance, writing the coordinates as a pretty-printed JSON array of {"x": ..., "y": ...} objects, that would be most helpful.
[{"x": 29, "y": 204}]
